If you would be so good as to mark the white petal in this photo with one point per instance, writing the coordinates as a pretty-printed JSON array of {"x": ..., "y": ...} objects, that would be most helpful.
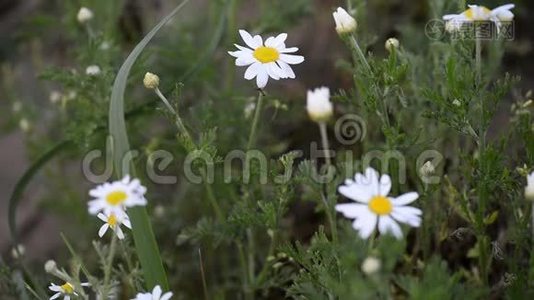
[
  {"x": 450, "y": 17},
  {"x": 387, "y": 225},
  {"x": 166, "y": 296},
  {"x": 271, "y": 71},
  {"x": 252, "y": 71},
  {"x": 67, "y": 297},
  {"x": 275, "y": 42},
  {"x": 385, "y": 185},
  {"x": 288, "y": 50},
  {"x": 55, "y": 296},
  {"x": 291, "y": 59},
  {"x": 405, "y": 199},
  {"x": 352, "y": 210},
  {"x": 127, "y": 223},
  {"x": 371, "y": 178},
  {"x": 245, "y": 59},
  {"x": 102, "y": 217},
  {"x": 504, "y": 7},
  {"x": 286, "y": 69},
  {"x": 412, "y": 220},
  {"x": 244, "y": 49},
  {"x": 365, "y": 225},
  {"x": 55, "y": 288},
  {"x": 235, "y": 53},
  {"x": 262, "y": 78},
  {"x": 103, "y": 230},
  {"x": 119, "y": 232},
  {"x": 252, "y": 42}
]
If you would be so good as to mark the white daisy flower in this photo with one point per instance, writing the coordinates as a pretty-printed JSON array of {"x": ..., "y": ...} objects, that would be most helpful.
[
  {"x": 269, "y": 59},
  {"x": 116, "y": 196},
  {"x": 529, "y": 189},
  {"x": 480, "y": 13},
  {"x": 375, "y": 206},
  {"x": 155, "y": 295},
  {"x": 318, "y": 104},
  {"x": 114, "y": 221},
  {"x": 84, "y": 15},
  {"x": 67, "y": 290}
]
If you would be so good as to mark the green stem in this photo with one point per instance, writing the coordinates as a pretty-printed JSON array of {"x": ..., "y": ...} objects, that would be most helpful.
[
  {"x": 257, "y": 112},
  {"x": 109, "y": 265},
  {"x": 360, "y": 54},
  {"x": 331, "y": 216},
  {"x": 326, "y": 146}
]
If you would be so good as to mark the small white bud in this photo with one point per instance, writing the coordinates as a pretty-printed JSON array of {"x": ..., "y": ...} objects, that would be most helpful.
[
  {"x": 428, "y": 169},
  {"x": 318, "y": 104},
  {"x": 392, "y": 43},
  {"x": 93, "y": 70},
  {"x": 456, "y": 102},
  {"x": 371, "y": 265},
  {"x": 18, "y": 251},
  {"x": 55, "y": 97},
  {"x": 84, "y": 15},
  {"x": 17, "y": 106},
  {"x": 529, "y": 189},
  {"x": 50, "y": 266},
  {"x": 345, "y": 23},
  {"x": 151, "y": 81},
  {"x": 25, "y": 125}
]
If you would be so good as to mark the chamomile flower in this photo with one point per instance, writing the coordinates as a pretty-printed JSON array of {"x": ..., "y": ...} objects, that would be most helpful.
[
  {"x": 66, "y": 290},
  {"x": 116, "y": 196},
  {"x": 156, "y": 294},
  {"x": 375, "y": 207},
  {"x": 476, "y": 13},
  {"x": 266, "y": 59},
  {"x": 318, "y": 104},
  {"x": 114, "y": 221}
]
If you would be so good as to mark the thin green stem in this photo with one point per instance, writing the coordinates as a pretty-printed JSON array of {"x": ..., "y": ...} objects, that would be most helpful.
[
  {"x": 109, "y": 266},
  {"x": 326, "y": 146},
  {"x": 360, "y": 53},
  {"x": 257, "y": 112},
  {"x": 331, "y": 216}
]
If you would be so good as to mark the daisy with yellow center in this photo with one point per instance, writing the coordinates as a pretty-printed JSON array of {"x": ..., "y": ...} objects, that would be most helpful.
[
  {"x": 264, "y": 60},
  {"x": 476, "y": 13},
  {"x": 156, "y": 294},
  {"x": 114, "y": 221},
  {"x": 375, "y": 207},
  {"x": 116, "y": 196},
  {"x": 67, "y": 290}
]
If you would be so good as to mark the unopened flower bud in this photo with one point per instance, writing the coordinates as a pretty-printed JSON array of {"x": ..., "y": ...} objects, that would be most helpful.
[
  {"x": 371, "y": 265},
  {"x": 92, "y": 70},
  {"x": 391, "y": 44},
  {"x": 84, "y": 15},
  {"x": 151, "y": 81},
  {"x": 428, "y": 169},
  {"x": 456, "y": 102},
  {"x": 345, "y": 23},
  {"x": 18, "y": 251},
  {"x": 50, "y": 266},
  {"x": 318, "y": 105}
]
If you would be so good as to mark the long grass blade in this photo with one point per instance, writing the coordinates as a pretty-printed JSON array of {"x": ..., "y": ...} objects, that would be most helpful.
[{"x": 145, "y": 242}]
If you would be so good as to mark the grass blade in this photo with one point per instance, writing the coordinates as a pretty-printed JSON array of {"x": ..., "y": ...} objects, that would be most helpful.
[{"x": 145, "y": 242}]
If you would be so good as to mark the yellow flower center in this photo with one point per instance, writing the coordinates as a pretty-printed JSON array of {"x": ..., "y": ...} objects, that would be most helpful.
[
  {"x": 112, "y": 220},
  {"x": 470, "y": 13},
  {"x": 116, "y": 198},
  {"x": 67, "y": 288},
  {"x": 380, "y": 205},
  {"x": 266, "y": 54}
]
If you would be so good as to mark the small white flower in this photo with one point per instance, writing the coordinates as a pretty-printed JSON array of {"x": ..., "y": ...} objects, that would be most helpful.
[
  {"x": 476, "y": 13},
  {"x": 84, "y": 15},
  {"x": 155, "y": 295},
  {"x": 392, "y": 43},
  {"x": 151, "y": 81},
  {"x": 318, "y": 104},
  {"x": 457, "y": 103},
  {"x": 92, "y": 70},
  {"x": 269, "y": 59},
  {"x": 529, "y": 189},
  {"x": 371, "y": 265},
  {"x": 427, "y": 169},
  {"x": 116, "y": 196},
  {"x": 345, "y": 23},
  {"x": 114, "y": 221},
  {"x": 67, "y": 290},
  {"x": 375, "y": 207}
]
